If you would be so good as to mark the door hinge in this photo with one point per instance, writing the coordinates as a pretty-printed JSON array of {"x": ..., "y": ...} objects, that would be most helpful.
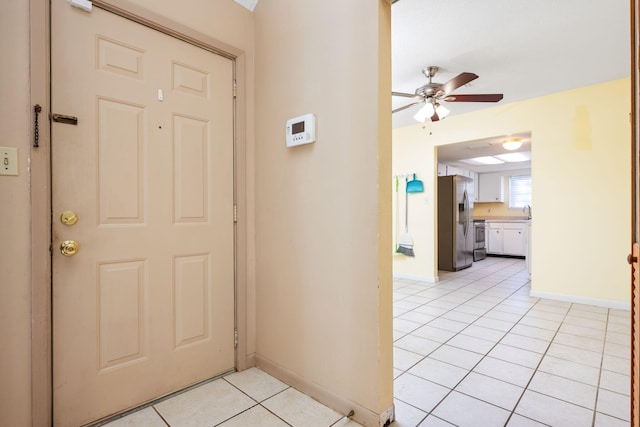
[
  {"x": 235, "y": 338},
  {"x": 235, "y": 213},
  {"x": 235, "y": 89}
]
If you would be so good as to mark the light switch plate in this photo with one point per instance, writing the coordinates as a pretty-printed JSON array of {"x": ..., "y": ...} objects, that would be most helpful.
[{"x": 8, "y": 161}]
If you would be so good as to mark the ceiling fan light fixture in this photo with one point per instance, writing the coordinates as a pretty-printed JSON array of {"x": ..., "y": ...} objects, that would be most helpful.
[
  {"x": 424, "y": 113},
  {"x": 442, "y": 111},
  {"x": 432, "y": 92},
  {"x": 512, "y": 144}
]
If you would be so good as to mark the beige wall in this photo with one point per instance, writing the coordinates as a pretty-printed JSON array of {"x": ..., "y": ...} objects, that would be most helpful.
[
  {"x": 581, "y": 187},
  {"x": 15, "y": 285},
  {"x": 322, "y": 278},
  {"x": 323, "y": 282},
  {"x": 224, "y": 23}
]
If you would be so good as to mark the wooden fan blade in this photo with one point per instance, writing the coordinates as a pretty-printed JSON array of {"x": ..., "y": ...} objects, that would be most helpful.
[
  {"x": 487, "y": 97},
  {"x": 406, "y": 106},
  {"x": 459, "y": 80},
  {"x": 406, "y": 95}
]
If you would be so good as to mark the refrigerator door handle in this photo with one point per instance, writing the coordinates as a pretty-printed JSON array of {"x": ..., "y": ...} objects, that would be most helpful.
[{"x": 465, "y": 219}]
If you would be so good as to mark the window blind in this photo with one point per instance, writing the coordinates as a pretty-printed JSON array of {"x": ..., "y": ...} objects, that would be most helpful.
[{"x": 519, "y": 191}]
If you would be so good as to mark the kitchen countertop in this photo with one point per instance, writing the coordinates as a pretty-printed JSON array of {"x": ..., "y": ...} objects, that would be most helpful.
[{"x": 504, "y": 219}]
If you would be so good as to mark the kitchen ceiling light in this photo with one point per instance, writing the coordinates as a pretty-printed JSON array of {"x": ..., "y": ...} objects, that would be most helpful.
[
  {"x": 512, "y": 144},
  {"x": 486, "y": 160},
  {"x": 521, "y": 156}
]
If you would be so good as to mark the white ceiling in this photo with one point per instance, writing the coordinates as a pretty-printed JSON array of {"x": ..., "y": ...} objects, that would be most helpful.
[
  {"x": 521, "y": 48},
  {"x": 452, "y": 154}
]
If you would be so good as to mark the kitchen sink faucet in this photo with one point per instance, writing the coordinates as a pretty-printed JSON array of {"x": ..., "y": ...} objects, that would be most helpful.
[{"x": 525, "y": 209}]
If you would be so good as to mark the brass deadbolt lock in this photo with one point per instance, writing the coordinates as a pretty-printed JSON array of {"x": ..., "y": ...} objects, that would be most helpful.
[{"x": 68, "y": 218}]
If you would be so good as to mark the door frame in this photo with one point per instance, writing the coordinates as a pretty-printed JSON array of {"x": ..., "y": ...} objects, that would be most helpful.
[
  {"x": 635, "y": 211},
  {"x": 40, "y": 175}
]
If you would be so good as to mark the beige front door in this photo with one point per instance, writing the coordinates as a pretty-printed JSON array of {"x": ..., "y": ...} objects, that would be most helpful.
[{"x": 146, "y": 304}]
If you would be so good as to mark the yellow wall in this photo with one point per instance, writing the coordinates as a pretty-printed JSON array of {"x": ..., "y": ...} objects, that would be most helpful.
[
  {"x": 323, "y": 285},
  {"x": 581, "y": 187}
]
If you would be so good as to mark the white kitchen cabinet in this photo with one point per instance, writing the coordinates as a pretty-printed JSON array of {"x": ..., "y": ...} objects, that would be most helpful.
[
  {"x": 507, "y": 238},
  {"x": 495, "y": 242},
  {"x": 528, "y": 256},
  {"x": 447, "y": 170},
  {"x": 514, "y": 242},
  {"x": 490, "y": 188},
  {"x": 454, "y": 170}
]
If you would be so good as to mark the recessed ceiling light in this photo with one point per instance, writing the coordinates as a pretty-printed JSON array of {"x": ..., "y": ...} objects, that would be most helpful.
[
  {"x": 485, "y": 160},
  {"x": 515, "y": 157}
]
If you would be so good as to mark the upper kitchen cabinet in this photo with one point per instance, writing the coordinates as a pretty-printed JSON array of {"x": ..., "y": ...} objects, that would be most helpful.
[
  {"x": 490, "y": 188},
  {"x": 447, "y": 170}
]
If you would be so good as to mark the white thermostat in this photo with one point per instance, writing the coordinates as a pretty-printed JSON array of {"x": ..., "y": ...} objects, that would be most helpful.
[{"x": 301, "y": 130}]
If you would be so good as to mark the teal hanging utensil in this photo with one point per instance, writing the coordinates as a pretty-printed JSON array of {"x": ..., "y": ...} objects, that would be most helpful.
[
  {"x": 405, "y": 241},
  {"x": 397, "y": 211},
  {"x": 415, "y": 186}
]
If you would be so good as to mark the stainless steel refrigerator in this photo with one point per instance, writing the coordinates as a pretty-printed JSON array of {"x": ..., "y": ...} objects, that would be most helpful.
[{"x": 455, "y": 222}]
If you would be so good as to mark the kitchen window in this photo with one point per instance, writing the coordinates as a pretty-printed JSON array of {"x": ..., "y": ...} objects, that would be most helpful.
[{"x": 519, "y": 191}]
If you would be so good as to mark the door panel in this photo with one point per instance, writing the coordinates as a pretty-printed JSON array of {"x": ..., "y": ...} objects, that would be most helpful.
[{"x": 146, "y": 305}]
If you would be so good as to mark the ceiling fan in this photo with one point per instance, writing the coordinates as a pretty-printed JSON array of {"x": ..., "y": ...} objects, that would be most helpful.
[{"x": 432, "y": 93}]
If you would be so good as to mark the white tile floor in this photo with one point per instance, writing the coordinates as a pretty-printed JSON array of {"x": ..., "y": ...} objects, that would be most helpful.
[
  {"x": 476, "y": 350},
  {"x": 472, "y": 350},
  {"x": 243, "y": 399}
]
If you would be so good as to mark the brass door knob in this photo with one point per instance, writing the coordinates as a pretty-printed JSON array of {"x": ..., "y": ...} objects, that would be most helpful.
[
  {"x": 69, "y": 248},
  {"x": 68, "y": 218}
]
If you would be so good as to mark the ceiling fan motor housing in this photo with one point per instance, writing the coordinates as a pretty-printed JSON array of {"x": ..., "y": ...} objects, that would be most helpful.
[{"x": 428, "y": 90}]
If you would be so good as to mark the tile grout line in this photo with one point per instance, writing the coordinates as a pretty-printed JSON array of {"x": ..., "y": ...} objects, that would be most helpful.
[
  {"x": 470, "y": 324},
  {"x": 160, "y": 415},
  {"x": 486, "y": 355},
  {"x": 570, "y": 310},
  {"x": 464, "y": 302},
  {"x": 457, "y": 333},
  {"x": 604, "y": 344},
  {"x": 526, "y": 387},
  {"x": 258, "y": 403},
  {"x": 557, "y": 330}
]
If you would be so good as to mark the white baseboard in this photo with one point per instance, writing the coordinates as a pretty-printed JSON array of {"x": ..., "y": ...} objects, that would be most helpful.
[
  {"x": 618, "y": 305},
  {"x": 428, "y": 279},
  {"x": 362, "y": 415}
]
